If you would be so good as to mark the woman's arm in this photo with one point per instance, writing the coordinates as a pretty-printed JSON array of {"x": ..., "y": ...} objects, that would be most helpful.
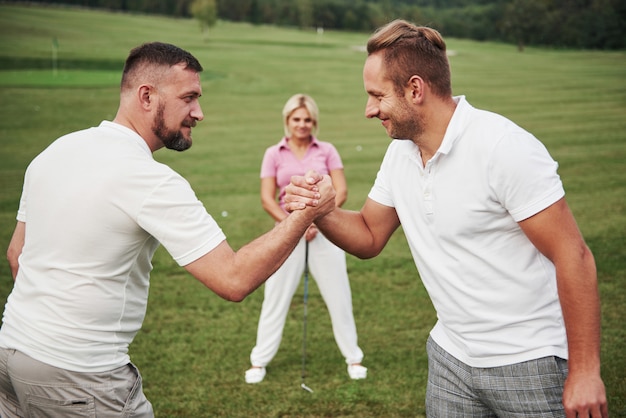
[
  {"x": 341, "y": 186},
  {"x": 268, "y": 199}
]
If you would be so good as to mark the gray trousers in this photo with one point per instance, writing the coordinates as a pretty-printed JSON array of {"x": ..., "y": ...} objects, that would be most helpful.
[
  {"x": 30, "y": 388},
  {"x": 529, "y": 389}
]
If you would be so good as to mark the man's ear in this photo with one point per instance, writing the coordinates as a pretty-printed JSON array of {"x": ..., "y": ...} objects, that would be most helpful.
[
  {"x": 145, "y": 96},
  {"x": 416, "y": 88}
]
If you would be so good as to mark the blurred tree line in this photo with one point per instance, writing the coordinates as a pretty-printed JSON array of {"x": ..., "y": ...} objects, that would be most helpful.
[{"x": 588, "y": 24}]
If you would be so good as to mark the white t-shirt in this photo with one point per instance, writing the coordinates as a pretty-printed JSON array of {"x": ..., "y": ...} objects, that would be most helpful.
[
  {"x": 96, "y": 206},
  {"x": 495, "y": 294}
]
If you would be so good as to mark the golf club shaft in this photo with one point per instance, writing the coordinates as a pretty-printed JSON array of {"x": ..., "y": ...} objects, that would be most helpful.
[{"x": 306, "y": 297}]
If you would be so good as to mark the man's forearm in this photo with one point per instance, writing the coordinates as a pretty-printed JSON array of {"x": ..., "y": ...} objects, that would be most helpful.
[
  {"x": 347, "y": 230},
  {"x": 580, "y": 303}
]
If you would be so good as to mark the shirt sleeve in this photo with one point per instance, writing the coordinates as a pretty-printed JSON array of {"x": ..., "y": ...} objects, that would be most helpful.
[
  {"x": 333, "y": 160},
  {"x": 524, "y": 175},
  {"x": 380, "y": 191},
  {"x": 21, "y": 211},
  {"x": 178, "y": 220},
  {"x": 269, "y": 164}
]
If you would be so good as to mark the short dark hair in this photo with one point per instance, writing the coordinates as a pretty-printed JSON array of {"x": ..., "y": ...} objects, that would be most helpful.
[{"x": 158, "y": 54}]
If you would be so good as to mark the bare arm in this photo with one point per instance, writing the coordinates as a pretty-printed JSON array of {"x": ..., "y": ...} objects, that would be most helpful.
[
  {"x": 271, "y": 206},
  {"x": 554, "y": 232},
  {"x": 341, "y": 186},
  {"x": 268, "y": 199},
  {"x": 15, "y": 247},
  {"x": 363, "y": 234},
  {"x": 234, "y": 275}
]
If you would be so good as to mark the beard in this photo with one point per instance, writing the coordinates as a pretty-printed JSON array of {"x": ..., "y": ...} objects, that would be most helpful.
[
  {"x": 171, "y": 138},
  {"x": 405, "y": 123}
]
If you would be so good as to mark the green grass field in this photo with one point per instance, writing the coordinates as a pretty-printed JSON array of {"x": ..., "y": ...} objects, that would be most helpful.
[{"x": 194, "y": 347}]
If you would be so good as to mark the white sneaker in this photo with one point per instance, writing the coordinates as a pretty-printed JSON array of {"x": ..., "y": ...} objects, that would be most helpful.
[
  {"x": 255, "y": 375},
  {"x": 356, "y": 371}
]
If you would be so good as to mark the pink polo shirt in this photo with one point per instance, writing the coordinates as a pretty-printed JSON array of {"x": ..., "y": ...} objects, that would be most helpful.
[{"x": 281, "y": 163}]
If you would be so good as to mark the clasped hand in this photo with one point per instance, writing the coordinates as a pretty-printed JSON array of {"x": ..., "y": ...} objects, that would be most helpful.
[{"x": 310, "y": 190}]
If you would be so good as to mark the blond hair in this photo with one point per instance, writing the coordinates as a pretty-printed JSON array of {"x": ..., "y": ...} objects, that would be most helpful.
[{"x": 296, "y": 102}]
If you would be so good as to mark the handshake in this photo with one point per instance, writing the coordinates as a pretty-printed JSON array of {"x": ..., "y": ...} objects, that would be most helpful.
[{"x": 312, "y": 191}]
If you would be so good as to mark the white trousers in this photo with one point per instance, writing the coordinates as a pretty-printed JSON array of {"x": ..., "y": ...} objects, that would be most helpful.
[{"x": 327, "y": 264}]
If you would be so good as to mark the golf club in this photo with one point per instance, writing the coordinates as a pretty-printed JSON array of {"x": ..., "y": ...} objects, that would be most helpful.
[{"x": 306, "y": 297}]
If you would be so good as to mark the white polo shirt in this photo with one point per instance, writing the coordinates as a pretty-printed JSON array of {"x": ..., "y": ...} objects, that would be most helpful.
[
  {"x": 96, "y": 206},
  {"x": 495, "y": 294}
]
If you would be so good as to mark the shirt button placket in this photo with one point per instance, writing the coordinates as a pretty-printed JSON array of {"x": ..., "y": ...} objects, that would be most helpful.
[{"x": 428, "y": 203}]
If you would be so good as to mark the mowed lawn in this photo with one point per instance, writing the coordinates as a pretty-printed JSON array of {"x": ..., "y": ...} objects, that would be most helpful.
[{"x": 60, "y": 71}]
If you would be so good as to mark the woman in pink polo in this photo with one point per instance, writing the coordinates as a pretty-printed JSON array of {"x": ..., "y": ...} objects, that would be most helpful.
[{"x": 295, "y": 154}]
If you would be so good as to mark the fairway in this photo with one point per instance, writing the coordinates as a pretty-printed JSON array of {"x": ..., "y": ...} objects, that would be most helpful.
[
  {"x": 60, "y": 70},
  {"x": 64, "y": 79}
]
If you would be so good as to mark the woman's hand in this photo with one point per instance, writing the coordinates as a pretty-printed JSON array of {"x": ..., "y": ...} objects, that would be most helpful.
[{"x": 311, "y": 233}]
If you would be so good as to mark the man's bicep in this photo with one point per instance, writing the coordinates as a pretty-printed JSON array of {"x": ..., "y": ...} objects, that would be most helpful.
[
  {"x": 553, "y": 231},
  {"x": 212, "y": 267}
]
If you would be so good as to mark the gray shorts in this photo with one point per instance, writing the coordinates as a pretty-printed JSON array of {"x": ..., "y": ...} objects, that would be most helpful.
[
  {"x": 529, "y": 389},
  {"x": 31, "y": 388}
]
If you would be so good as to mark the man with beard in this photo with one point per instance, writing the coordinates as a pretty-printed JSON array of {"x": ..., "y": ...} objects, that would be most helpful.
[
  {"x": 496, "y": 246},
  {"x": 95, "y": 206}
]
